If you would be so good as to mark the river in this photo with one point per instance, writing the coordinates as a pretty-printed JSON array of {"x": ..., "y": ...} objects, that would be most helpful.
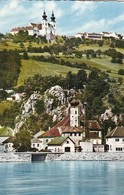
[{"x": 62, "y": 178}]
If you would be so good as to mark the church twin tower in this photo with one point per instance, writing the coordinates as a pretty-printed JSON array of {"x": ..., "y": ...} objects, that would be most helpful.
[
  {"x": 44, "y": 28},
  {"x": 48, "y": 28}
]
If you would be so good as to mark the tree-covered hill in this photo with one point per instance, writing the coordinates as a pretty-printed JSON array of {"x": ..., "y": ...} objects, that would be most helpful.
[
  {"x": 10, "y": 64},
  {"x": 94, "y": 69}
]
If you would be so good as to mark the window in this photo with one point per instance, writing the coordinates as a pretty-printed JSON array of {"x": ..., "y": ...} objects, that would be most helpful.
[
  {"x": 79, "y": 134},
  {"x": 117, "y": 140},
  {"x": 122, "y": 140},
  {"x": 37, "y": 145},
  {"x": 75, "y": 111},
  {"x": 67, "y": 142}
]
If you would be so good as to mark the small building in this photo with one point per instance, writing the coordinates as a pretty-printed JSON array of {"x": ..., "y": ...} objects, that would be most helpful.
[
  {"x": 115, "y": 140},
  {"x": 36, "y": 144},
  {"x": 5, "y": 144},
  {"x": 92, "y": 36},
  {"x": 2, "y": 147},
  {"x": 86, "y": 146},
  {"x": 61, "y": 144},
  {"x": 46, "y": 137},
  {"x": 98, "y": 148},
  {"x": 8, "y": 144},
  {"x": 95, "y": 131},
  {"x": 75, "y": 133}
]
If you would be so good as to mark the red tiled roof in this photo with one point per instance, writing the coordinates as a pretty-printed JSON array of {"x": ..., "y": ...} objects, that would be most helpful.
[
  {"x": 93, "y": 125},
  {"x": 71, "y": 130},
  {"x": 31, "y": 27},
  {"x": 117, "y": 132},
  {"x": 53, "y": 132},
  {"x": 64, "y": 122},
  {"x": 22, "y": 28},
  {"x": 39, "y": 26}
]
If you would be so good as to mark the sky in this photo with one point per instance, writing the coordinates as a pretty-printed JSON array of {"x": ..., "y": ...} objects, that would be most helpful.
[{"x": 71, "y": 16}]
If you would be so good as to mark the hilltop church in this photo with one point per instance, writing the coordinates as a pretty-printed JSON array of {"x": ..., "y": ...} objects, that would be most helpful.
[{"x": 45, "y": 28}]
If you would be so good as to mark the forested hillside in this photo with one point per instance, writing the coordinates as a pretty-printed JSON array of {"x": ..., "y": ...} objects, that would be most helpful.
[
  {"x": 94, "y": 69},
  {"x": 9, "y": 68}
]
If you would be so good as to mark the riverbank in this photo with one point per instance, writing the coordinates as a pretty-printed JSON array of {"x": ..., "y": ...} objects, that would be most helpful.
[
  {"x": 91, "y": 156},
  {"x": 81, "y": 156},
  {"x": 15, "y": 157}
]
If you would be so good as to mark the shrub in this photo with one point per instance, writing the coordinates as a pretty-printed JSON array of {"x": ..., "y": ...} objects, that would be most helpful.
[{"x": 121, "y": 71}]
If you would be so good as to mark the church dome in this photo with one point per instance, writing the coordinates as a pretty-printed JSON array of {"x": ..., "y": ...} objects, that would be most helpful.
[{"x": 74, "y": 102}]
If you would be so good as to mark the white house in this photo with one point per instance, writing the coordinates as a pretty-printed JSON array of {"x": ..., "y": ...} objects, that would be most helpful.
[
  {"x": 86, "y": 146},
  {"x": 6, "y": 144},
  {"x": 115, "y": 140},
  {"x": 93, "y": 36},
  {"x": 61, "y": 144},
  {"x": 37, "y": 144}
]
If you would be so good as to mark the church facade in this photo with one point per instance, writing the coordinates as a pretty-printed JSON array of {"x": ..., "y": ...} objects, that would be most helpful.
[{"x": 45, "y": 28}]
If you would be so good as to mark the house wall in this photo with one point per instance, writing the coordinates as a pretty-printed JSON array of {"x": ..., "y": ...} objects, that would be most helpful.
[
  {"x": 98, "y": 148},
  {"x": 86, "y": 146},
  {"x": 45, "y": 142},
  {"x": 61, "y": 148},
  {"x": 8, "y": 147},
  {"x": 76, "y": 137},
  {"x": 38, "y": 146},
  {"x": 96, "y": 141},
  {"x": 1, "y": 148},
  {"x": 115, "y": 144}
]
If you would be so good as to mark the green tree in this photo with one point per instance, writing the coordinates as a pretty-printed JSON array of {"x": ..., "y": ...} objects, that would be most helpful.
[
  {"x": 39, "y": 106},
  {"x": 22, "y": 141},
  {"x": 25, "y": 55}
]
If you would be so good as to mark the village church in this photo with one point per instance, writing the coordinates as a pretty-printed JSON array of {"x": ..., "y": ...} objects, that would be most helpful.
[{"x": 45, "y": 28}]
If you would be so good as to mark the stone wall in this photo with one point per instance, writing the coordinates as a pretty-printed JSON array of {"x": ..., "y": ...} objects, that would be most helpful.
[
  {"x": 15, "y": 157},
  {"x": 91, "y": 156}
]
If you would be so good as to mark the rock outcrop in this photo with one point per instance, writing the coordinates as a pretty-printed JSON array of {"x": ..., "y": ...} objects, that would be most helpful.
[
  {"x": 54, "y": 99},
  {"x": 27, "y": 109}
]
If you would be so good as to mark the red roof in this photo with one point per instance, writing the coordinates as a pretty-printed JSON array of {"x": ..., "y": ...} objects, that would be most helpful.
[
  {"x": 64, "y": 127},
  {"x": 64, "y": 122},
  {"x": 71, "y": 130},
  {"x": 117, "y": 132},
  {"x": 22, "y": 28},
  {"x": 31, "y": 27},
  {"x": 93, "y": 125},
  {"x": 53, "y": 132}
]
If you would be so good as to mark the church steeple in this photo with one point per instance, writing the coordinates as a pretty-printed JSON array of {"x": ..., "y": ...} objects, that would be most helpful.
[
  {"x": 44, "y": 16},
  {"x": 53, "y": 17}
]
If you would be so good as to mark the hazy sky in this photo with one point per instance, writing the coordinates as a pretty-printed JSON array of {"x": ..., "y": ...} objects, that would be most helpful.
[{"x": 71, "y": 16}]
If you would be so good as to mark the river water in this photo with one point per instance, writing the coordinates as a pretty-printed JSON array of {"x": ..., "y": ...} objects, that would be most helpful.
[{"x": 62, "y": 178}]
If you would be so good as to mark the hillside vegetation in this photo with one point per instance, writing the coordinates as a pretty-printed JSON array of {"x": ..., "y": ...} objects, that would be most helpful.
[{"x": 94, "y": 69}]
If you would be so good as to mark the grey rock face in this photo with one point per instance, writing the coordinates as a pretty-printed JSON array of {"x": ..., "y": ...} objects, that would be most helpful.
[
  {"x": 52, "y": 95},
  {"x": 27, "y": 108}
]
